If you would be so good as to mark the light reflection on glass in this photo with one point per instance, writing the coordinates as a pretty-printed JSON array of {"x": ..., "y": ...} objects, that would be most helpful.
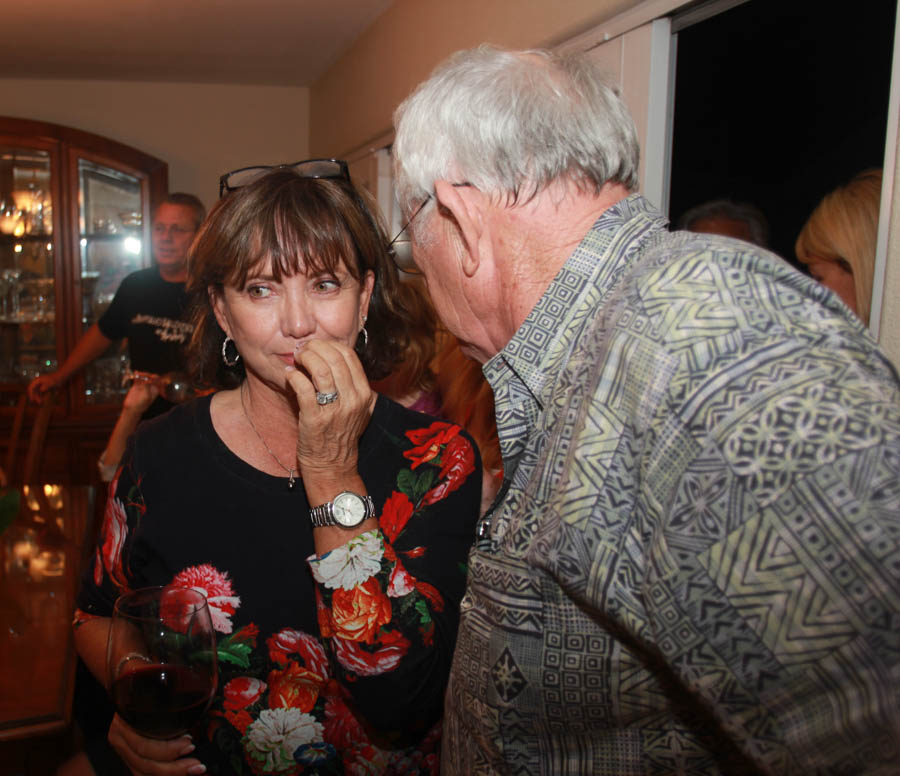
[{"x": 54, "y": 496}]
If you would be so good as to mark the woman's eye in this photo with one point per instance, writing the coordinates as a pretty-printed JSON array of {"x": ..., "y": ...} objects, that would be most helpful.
[
  {"x": 258, "y": 292},
  {"x": 326, "y": 284}
]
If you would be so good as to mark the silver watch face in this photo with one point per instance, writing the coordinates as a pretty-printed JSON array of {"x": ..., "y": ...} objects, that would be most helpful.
[{"x": 349, "y": 510}]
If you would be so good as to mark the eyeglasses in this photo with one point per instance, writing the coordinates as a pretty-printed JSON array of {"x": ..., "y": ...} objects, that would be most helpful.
[
  {"x": 309, "y": 168},
  {"x": 173, "y": 229},
  {"x": 401, "y": 250}
]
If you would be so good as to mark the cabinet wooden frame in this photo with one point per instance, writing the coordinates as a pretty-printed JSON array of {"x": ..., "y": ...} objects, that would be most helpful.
[{"x": 75, "y": 423}]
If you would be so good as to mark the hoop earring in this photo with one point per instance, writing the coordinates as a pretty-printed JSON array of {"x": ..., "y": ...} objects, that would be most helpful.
[
  {"x": 365, "y": 336},
  {"x": 237, "y": 356}
]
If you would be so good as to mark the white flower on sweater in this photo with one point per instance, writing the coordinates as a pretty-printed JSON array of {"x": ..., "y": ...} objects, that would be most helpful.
[
  {"x": 276, "y": 734},
  {"x": 352, "y": 564}
]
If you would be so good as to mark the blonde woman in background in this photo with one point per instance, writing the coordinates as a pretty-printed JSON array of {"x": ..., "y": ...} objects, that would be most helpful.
[{"x": 837, "y": 243}]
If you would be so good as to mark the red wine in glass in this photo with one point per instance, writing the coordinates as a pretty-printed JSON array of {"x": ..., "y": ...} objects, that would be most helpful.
[
  {"x": 161, "y": 659},
  {"x": 161, "y": 700}
]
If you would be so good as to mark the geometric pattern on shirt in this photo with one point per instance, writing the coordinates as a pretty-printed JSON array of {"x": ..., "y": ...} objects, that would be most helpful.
[
  {"x": 508, "y": 679},
  {"x": 723, "y": 432}
]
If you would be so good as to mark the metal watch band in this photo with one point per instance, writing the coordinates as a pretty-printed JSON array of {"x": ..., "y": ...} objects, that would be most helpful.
[{"x": 323, "y": 515}]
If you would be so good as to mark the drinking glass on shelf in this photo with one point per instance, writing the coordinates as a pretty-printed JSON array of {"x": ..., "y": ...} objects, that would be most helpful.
[
  {"x": 9, "y": 217},
  {"x": 12, "y": 284},
  {"x": 161, "y": 660},
  {"x": 5, "y": 287}
]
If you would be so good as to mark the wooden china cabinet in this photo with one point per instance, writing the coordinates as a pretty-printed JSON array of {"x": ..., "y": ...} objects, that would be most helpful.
[{"x": 75, "y": 213}]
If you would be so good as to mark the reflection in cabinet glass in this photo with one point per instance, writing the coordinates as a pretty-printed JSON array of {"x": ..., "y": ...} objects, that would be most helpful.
[
  {"x": 110, "y": 221},
  {"x": 74, "y": 220},
  {"x": 27, "y": 282}
]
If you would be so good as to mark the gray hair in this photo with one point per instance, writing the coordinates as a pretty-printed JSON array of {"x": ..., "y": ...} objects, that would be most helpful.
[
  {"x": 757, "y": 223},
  {"x": 510, "y": 123}
]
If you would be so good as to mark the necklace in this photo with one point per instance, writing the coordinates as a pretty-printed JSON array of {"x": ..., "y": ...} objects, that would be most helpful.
[{"x": 259, "y": 436}]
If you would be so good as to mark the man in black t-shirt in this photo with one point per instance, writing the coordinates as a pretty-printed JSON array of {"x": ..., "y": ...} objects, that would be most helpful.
[{"x": 148, "y": 307}]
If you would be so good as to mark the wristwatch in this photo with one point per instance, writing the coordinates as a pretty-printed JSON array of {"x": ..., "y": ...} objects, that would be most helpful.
[{"x": 347, "y": 510}]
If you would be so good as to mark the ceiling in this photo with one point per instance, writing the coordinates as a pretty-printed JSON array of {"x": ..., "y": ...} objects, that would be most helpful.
[{"x": 276, "y": 42}]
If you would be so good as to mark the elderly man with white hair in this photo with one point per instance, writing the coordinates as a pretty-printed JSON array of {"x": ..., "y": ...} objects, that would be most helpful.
[{"x": 693, "y": 565}]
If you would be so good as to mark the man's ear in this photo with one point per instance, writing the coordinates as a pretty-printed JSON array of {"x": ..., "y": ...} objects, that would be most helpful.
[
  {"x": 468, "y": 207},
  {"x": 218, "y": 306}
]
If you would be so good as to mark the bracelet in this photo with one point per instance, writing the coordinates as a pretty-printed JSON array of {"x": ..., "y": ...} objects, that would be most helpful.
[{"x": 131, "y": 656}]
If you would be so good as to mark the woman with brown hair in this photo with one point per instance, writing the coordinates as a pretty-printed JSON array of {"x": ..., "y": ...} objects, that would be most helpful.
[{"x": 327, "y": 525}]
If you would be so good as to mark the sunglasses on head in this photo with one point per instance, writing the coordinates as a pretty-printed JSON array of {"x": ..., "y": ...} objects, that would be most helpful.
[{"x": 336, "y": 169}]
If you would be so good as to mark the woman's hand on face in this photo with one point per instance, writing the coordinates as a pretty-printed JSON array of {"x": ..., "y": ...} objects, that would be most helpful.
[
  {"x": 328, "y": 438},
  {"x": 151, "y": 757}
]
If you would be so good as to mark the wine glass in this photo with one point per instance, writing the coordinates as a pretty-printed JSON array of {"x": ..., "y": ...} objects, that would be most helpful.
[{"x": 161, "y": 659}]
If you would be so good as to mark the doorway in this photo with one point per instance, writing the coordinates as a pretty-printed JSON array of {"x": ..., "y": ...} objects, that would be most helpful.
[{"x": 777, "y": 103}]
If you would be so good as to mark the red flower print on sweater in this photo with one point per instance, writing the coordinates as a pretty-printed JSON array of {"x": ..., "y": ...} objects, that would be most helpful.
[
  {"x": 109, "y": 554},
  {"x": 358, "y": 614},
  {"x": 239, "y": 719},
  {"x": 216, "y": 586},
  {"x": 395, "y": 515},
  {"x": 352, "y": 656},
  {"x": 242, "y": 692},
  {"x": 457, "y": 463},
  {"x": 323, "y": 615},
  {"x": 428, "y": 441},
  {"x": 342, "y": 729},
  {"x": 432, "y": 594},
  {"x": 401, "y": 582},
  {"x": 294, "y": 688},
  {"x": 293, "y": 642}
]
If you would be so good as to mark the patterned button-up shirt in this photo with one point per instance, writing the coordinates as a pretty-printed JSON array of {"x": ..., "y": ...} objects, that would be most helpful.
[{"x": 694, "y": 565}]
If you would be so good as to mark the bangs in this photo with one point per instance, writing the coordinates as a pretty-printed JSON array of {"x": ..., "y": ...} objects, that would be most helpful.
[
  {"x": 302, "y": 231},
  {"x": 285, "y": 225}
]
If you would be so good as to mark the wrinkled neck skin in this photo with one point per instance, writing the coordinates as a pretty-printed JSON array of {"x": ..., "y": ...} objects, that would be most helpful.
[{"x": 532, "y": 241}]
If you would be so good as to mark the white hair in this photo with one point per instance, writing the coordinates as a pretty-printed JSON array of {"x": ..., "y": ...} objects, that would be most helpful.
[{"x": 510, "y": 123}]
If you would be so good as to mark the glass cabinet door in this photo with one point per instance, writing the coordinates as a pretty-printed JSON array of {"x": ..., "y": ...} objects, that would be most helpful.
[
  {"x": 27, "y": 276},
  {"x": 111, "y": 238}
]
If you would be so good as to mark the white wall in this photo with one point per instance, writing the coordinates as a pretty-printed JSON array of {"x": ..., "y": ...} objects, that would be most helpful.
[
  {"x": 353, "y": 101},
  {"x": 889, "y": 330},
  {"x": 200, "y": 130}
]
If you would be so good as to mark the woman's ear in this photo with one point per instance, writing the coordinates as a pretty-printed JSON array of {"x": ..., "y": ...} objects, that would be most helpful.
[
  {"x": 467, "y": 206},
  {"x": 217, "y": 303},
  {"x": 365, "y": 295}
]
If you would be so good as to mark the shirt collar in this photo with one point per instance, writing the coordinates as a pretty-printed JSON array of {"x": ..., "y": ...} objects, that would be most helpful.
[{"x": 543, "y": 342}]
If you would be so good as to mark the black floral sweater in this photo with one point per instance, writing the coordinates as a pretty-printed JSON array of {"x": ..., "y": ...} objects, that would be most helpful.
[{"x": 327, "y": 664}]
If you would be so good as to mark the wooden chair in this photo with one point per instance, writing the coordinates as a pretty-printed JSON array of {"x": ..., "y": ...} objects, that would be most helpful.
[
  {"x": 35, "y": 450},
  {"x": 20, "y": 399}
]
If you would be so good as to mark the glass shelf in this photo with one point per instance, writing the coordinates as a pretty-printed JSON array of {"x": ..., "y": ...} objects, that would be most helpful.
[
  {"x": 111, "y": 248},
  {"x": 74, "y": 208},
  {"x": 27, "y": 287}
]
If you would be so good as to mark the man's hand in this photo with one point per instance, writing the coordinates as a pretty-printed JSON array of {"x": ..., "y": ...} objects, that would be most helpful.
[{"x": 42, "y": 384}]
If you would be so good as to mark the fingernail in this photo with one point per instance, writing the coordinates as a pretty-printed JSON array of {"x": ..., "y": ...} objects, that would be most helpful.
[
  {"x": 187, "y": 750},
  {"x": 196, "y": 770}
]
